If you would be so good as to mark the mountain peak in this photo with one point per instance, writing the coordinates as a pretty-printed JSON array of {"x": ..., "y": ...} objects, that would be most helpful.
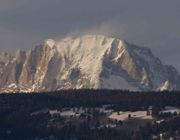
[
  {"x": 89, "y": 62},
  {"x": 50, "y": 42}
]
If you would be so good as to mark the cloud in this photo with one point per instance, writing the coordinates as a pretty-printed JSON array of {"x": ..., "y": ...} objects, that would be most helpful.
[
  {"x": 109, "y": 28},
  {"x": 155, "y": 24},
  {"x": 12, "y": 39},
  {"x": 10, "y": 4}
]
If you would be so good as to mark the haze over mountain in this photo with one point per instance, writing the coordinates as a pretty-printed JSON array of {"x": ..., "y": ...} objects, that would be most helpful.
[
  {"x": 86, "y": 62},
  {"x": 25, "y": 23}
]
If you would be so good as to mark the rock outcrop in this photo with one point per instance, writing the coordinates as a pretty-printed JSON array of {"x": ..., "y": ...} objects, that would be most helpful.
[{"x": 87, "y": 62}]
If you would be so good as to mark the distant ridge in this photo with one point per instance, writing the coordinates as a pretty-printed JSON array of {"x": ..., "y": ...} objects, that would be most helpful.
[{"x": 86, "y": 62}]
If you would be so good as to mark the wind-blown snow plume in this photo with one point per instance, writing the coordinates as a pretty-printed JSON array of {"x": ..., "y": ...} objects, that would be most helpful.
[{"x": 87, "y": 62}]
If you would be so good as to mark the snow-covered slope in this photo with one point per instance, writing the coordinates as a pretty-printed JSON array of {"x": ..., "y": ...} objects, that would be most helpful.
[{"x": 90, "y": 61}]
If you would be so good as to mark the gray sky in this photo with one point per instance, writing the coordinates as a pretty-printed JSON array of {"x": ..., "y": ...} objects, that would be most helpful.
[{"x": 151, "y": 23}]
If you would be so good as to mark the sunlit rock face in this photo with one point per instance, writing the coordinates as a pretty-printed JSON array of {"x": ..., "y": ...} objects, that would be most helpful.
[
  {"x": 86, "y": 62},
  {"x": 4, "y": 59}
]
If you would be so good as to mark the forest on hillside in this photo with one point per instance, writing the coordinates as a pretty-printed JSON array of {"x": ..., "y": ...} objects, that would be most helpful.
[{"x": 17, "y": 121}]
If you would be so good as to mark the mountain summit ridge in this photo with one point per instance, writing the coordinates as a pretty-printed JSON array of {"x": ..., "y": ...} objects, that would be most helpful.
[{"x": 87, "y": 62}]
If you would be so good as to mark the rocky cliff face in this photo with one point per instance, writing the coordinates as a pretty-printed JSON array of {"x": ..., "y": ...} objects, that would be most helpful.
[
  {"x": 90, "y": 61},
  {"x": 4, "y": 59}
]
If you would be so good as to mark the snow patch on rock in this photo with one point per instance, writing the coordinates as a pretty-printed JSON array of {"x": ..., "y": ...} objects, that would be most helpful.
[{"x": 50, "y": 43}]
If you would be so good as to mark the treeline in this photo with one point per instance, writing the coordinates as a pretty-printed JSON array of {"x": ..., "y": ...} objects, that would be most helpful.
[
  {"x": 16, "y": 121},
  {"x": 169, "y": 128},
  {"x": 90, "y": 98}
]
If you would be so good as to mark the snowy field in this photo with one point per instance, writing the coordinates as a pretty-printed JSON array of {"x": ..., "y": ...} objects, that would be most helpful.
[
  {"x": 170, "y": 109},
  {"x": 124, "y": 115}
]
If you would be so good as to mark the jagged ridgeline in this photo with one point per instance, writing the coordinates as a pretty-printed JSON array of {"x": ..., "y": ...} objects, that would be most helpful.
[{"x": 86, "y": 62}]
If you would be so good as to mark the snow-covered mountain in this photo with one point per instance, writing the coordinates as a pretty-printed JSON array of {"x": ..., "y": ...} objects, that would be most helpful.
[{"x": 86, "y": 62}]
